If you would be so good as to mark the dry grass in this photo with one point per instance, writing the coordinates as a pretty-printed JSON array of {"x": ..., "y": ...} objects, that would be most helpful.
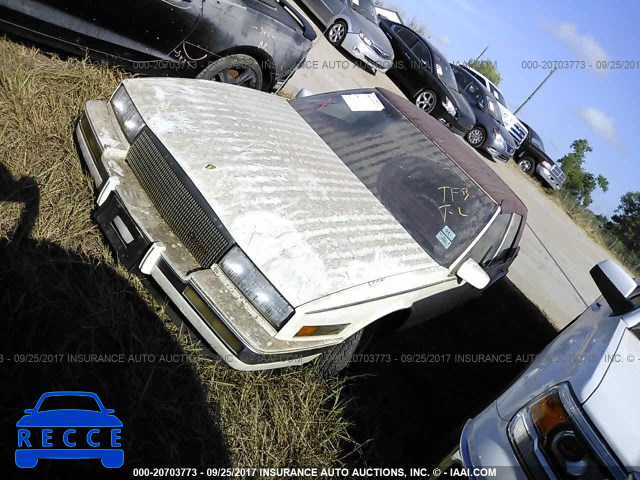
[{"x": 61, "y": 292}]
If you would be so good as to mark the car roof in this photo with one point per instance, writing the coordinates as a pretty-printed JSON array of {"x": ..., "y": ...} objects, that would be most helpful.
[{"x": 460, "y": 154}]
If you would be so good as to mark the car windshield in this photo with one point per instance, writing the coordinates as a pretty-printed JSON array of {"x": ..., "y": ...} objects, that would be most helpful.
[
  {"x": 498, "y": 94},
  {"x": 486, "y": 102},
  {"x": 69, "y": 402},
  {"x": 494, "y": 109},
  {"x": 366, "y": 9},
  {"x": 435, "y": 201},
  {"x": 443, "y": 70}
]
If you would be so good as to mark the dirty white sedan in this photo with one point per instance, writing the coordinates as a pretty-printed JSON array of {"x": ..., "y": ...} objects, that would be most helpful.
[{"x": 281, "y": 229}]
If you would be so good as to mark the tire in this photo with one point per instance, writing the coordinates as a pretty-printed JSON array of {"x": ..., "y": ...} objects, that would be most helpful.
[
  {"x": 336, "y": 33},
  {"x": 476, "y": 136},
  {"x": 426, "y": 100},
  {"x": 336, "y": 359},
  {"x": 238, "y": 69},
  {"x": 527, "y": 165}
]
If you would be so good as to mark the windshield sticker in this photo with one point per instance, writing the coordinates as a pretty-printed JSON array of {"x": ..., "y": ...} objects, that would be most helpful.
[
  {"x": 452, "y": 198},
  {"x": 444, "y": 240},
  {"x": 363, "y": 102},
  {"x": 438, "y": 70},
  {"x": 355, "y": 2},
  {"x": 449, "y": 233}
]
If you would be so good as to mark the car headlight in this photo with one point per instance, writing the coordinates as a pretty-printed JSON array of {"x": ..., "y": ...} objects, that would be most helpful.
[
  {"x": 448, "y": 106},
  {"x": 254, "y": 285},
  {"x": 128, "y": 116},
  {"x": 365, "y": 39},
  {"x": 551, "y": 435}
]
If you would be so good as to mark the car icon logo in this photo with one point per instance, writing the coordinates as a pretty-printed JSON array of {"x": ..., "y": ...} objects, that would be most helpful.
[{"x": 69, "y": 425}]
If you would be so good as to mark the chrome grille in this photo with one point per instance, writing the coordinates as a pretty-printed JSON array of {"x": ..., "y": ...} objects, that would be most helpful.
[
  {"x": 175, "y": 198},
  {"x": 558, "y": 175},
  {"x": 518, "y": 133}
]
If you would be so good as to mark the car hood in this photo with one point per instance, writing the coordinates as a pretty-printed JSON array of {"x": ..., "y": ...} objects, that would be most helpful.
[
  {"x": 577, "y": 355},
  {"x": 509, "y": 119},
  {"x": 66, "y": 418},
  {"x": 289, "y": 202},
  {"x": 371, "y": 30},
  {"x": 620, "y": 387}
]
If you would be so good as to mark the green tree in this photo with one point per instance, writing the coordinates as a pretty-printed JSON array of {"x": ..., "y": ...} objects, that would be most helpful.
[
  {"x": 626, "y": 221},
  {"x": 580, "y": 183},
  {"x": 486, "y": 67}
]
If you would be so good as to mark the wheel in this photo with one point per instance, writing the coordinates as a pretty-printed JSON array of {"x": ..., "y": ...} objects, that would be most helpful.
[
  {"x": 426, "y": 100},
  {"x": 336, "y": 359},
  {"x": 237, "y": 69},
  {"x": 476, "y": 136},
  {"x": 527, "y": 165},
  {"x": 336, "y": 33}
]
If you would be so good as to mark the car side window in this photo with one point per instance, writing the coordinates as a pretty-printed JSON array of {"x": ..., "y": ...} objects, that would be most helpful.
[
  {"x": 474, "y": 92},
  {"x": 462, "y": 78},
  {"x": 407, "y": 36},
  {"x": 422, "y": 52}
]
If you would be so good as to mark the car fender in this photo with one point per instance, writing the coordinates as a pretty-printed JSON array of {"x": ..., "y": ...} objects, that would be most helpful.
[{"x": 282, "y": 47}]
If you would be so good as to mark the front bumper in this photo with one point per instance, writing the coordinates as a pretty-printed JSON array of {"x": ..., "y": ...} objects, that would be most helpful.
[
  {"x": 145, "y": 244},
  {"x": 500, "y": 152},
  {"x": 484, "y": 450},
  {"x": 353, "y": 44},
  {"x": 546, "y": 175}
]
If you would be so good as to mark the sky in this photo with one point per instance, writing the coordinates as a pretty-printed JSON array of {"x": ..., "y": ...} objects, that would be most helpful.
[{"x": 600, "y": 105}]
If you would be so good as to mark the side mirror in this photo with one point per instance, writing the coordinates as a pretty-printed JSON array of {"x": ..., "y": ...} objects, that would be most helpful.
[
  {"x": 473, "y": 274},
  {"x": 109, "y": 411},
  {"x": 29, "y": 411},
  {"x": 615, "y": 285},
  {"x": 303, "y": 92}
]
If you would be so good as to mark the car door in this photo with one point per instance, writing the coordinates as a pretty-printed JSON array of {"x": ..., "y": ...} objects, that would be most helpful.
[
  {"x": 134, "y": 30},
  {"x": 402, "y": 40},
  {"x": 422, "y": 64},
  {"x": 325, "y": 10}
]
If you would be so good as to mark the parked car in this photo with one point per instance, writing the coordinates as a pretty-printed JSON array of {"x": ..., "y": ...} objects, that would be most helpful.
[
  {"x": 424, "y": 75},
  {"x": 516, "y": 128},
  {"x": 253, "y": 43},
  {"x": 281, "y": 229},
  {"x": 574, "y": 412},
  {"x": 488, "y": 133},
  {"x": 531, "y": 158},
  {"x": 353, "y": 25}
]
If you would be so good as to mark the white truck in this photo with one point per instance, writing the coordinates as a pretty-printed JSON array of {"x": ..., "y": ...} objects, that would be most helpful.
[{"x": 573, "y": 413}]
